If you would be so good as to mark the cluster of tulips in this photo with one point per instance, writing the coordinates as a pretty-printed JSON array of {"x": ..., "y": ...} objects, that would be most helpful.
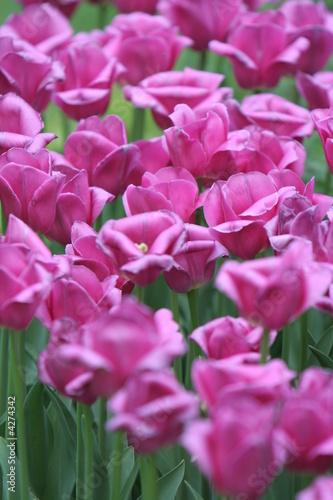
[{"x": 214, "y": 206}]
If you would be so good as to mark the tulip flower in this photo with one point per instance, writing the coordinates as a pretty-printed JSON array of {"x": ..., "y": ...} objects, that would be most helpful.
[
  {"x": 320, "y": 489},
  {"x": 127, "y": 6},
  {"x": 316, "y": 89},
  {"x": 323, "y": 122}
]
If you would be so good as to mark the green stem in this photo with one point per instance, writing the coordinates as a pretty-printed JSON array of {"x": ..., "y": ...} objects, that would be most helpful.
[
  {"x": 194, "y": 350},
  {"x": 4, "y": 370},
  {"x": 89, "y": 453},
  {"x": 117, "y": 466},
  {"x": 177, "y": 364},
  {"x": 138, "y": 124},
  {"x": 3, "y": 222},
  {"x": 285, "y": 344},
  {"x": 79, "y": 452},
  {"x": 140, "y": 293},
  {"x": 148, "y": 478},
  {"x": 202, "y": 60},
  {"x": 102, "y": 20},
  {"x": 192, "y": 297},
  {"x": 264, "y": 347},
  {"x": 328, "y": 180},
  {"x": 17, "y": 360},
  {"x": 101, "y": 427},
  {"x": 304, "y": 343}
]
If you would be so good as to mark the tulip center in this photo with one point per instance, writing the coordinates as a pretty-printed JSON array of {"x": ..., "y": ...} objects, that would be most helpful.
[{"x": 142, "y": 246}]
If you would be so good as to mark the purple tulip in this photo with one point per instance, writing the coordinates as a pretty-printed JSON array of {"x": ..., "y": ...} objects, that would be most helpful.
[
  {"x": 100, "y": 147},
  {"x": 194, "y": 263},
  {"x": 29, "y": 189},
  {"x": 41, "y": 25},
  {"x": 271, "y": 112},
  {"x": 90, "y": 75},
  {"x": 238, "y": 209},
  {"x": 142, "y": 246},
  {"x": 323, "y": 120},
  {"x": 256, "y": 4},
  {"x": 273, "y": 291},
  {"x": 163, "y": 91},
  {"x": 320, "y": 489},
  {"x": 306, "y": 423},
  {"x": 153, "y": 157},
  {"x": 314, "y": 22},
  {"x": 95, "y": 361},
  {"x": 127, "y": 6},
  {"x": 20, "y": 125},
  {"x": 268, "y": 57},
  {"x": 66, "y": 7},
  {"x": 17, "y": 60},
  {"x": 199, "y": 139},
  {"x": 316, "y": 89},
  {"x": 152, "y": 409},
  {"x": 76, "y": 201},
  {"x": 228, "y": 336},
  {"x": 173, "y": 189},
  {"x": 240, "y": 374},
  {"x": 201, "y": 20},
  {"x": 144, "y": 45},
  {"x": 235, "y": 446}
]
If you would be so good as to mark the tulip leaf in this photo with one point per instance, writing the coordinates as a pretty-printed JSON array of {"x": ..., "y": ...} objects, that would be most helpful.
[
  {"x": 195, "y": 494},
  {"x": 129, "y": 471},
  {"x": 168, "y": 484},
  {"x": 40, "y": 437},
  {"x": 65, "y": 417},
  {"x": 130, "y": 480},
  {"x": 322, "y": 358}
]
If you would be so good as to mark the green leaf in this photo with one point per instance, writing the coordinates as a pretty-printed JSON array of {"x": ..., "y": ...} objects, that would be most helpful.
[
  {"x": 168, "y": 484},
  {"x": 65, "y": 417},
  {"x": 195, "y": 494},
  {"x": 129, "y": 476},
  {"x": 39, "y": 438},
  {"x": 323, "y": 359}
]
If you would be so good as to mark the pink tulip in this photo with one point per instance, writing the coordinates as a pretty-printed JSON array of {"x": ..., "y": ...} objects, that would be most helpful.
[
  {"x": 18, "y": 59},
  {"x": 29, "y": 189},
  {"x": 195, "y": 261},
  {"x": 77, "y": 201},
  {"x": 100, "y": 147},
  {"x": 142, "y": 246},
  {"x": 268, "y": 57},
  {"x": 240, "y": 374},
  {"x": 306, "y": 423},
  {"x": 20, "y": 125},
  {"x": 94, "y": 360},
  {"x": 152, "y": 408},
  {"x": 255, "y": 4},
  {"x": 238, "y": 209},
  {"x": 201, "y": 20},
  {"x": 153, "y": 157},
  {"x": 323, "y": 120},
  {"x": 263, "y": 153},
  {"x": 85, "y": 252},
  {"x": 66, "y": 7},
  {"x": 163, "y": 91},
  {"x": 228, "y": 336},
  {"x": 273, "y": 291},
  {"x": 26, "y": 273},
  {"x": 85, "y": 93},
  {"x": 144, "y": 45},
  {"x": 128, "y": 6},
  {"x": 173, "y": 189},
  {"x": 317, "y": 89},
  {"x": 236, "y": 447},
  {"x": 199, "y": 139},
  {"x": 42, "y": 25},
  {"x": 312, "y": 21},
  {"x": 320, "y": 489},
  {"x": 271, "y": 112}
]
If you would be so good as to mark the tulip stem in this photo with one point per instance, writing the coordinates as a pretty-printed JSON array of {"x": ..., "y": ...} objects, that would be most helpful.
[
  {"x": 3, "y": 222},
  {"x": 79, "y": 451},
  {"x": 4, "y": 370},
  {"x": 194, "y": 350},
  {"x": 202, "y": 61},
  {"x": 192, "y": 297},
  {"x": 304, "y": 342},
  {"x": 89, "y": 452},
  {"x": 148, "y": 478},
  {"x": 177, "y": 364},
  {"x": 140, "y": 293},
  {"x": 117, "y": 466},
  {"x": 101, "y": 427},
  {"x": 264, "y": 347},
  {"x": 328, "y": 181},
  {"x": 285, "y": 344},
  {"x": 102, "y": 11},
  {"x": 138, "y": 124},
  {"x": 17, "y": 365}
]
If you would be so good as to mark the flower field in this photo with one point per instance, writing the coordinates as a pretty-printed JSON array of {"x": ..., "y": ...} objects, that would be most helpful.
[{"x": 166, "y": 250}]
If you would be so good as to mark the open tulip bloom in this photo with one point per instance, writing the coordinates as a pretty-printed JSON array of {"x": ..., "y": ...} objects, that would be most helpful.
[{"x": 166, "y": 250}]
